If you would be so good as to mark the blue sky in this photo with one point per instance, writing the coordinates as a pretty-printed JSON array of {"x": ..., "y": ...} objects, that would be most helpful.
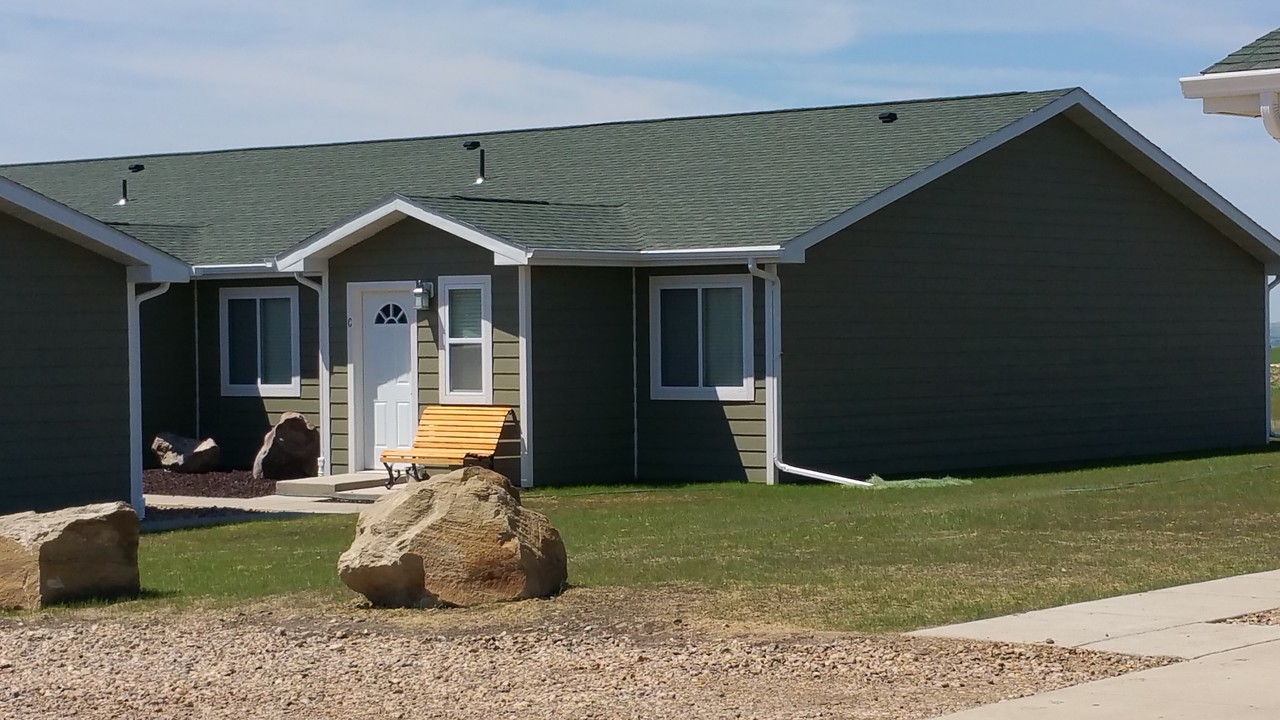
[{"x": 91, "y": 78}]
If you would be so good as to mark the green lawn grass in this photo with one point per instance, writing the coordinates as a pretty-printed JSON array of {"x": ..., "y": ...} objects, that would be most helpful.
[{"x": 830, "y": 557}]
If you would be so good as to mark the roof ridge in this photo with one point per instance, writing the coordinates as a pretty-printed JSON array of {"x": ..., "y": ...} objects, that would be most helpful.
[
  {"x": 546, "y": 128},
  {"x": 126, "y": 223},
  {"x": 519, "y": 201}
]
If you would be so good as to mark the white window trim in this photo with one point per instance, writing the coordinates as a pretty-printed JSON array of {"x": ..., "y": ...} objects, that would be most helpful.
[
  {"x": 292, "y": 389},
  {"x": 746, "y": 392},
  {"x": 456, "y": 282}
]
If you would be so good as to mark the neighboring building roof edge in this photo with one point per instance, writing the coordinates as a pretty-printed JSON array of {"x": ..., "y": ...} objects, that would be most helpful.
[
  {"x": 154, "y": 265},
  {"x": 1265, "y": 246}
]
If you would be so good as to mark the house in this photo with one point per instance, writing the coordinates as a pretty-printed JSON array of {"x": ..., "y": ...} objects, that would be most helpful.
[
  {"x": 908, "y": 287},
  {"x": 70, "y": 287},
  {"x": 1244, "y": 83}
]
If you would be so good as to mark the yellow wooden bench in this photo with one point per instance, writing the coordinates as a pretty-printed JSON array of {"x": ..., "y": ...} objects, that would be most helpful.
[{"x": 449, "y": 435}]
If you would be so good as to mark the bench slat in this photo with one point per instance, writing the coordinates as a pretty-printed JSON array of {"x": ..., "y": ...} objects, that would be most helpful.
[{"x": 446, "y": 434}]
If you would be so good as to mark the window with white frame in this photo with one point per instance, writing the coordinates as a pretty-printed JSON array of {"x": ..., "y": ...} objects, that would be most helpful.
[
  {"x": 259, "y": 341},
  {"x": 700, "y": 338},
  {"x": 466, "y": 340}
]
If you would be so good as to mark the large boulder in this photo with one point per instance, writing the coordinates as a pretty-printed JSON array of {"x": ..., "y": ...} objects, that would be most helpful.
[
  {"x": 457, "y": 539},
  {"x": 80, "y": 552},
  {"x": 184, "y": 454},
  {"x": 290, "y": 450}
]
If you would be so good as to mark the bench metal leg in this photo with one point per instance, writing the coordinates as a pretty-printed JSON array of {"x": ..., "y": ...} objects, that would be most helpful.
[{"x": 392, "y": 475}]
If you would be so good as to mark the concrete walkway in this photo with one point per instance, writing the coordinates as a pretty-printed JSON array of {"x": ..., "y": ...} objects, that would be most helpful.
[
  {"x": 267, "y": 503},
  {"x": 1231, "y": 670}
]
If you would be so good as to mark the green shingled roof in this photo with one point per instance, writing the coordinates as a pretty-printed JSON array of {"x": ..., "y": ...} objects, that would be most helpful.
[
  {"x": 1261, "y": 54},
  {"x": 704, "y": 182},
  {"x": 533, "y": 224}
]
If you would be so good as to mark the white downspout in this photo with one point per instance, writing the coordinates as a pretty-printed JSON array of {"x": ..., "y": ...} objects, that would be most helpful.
[
  {"x": 135, "y": 391},
  {"x": 1271, "y": 434},
  {"x": 773, "y": 385},
  {"x": 326, "y": 434},
  {"x": 1269, "y": 107},
  {"x": 525, "y": 283}
]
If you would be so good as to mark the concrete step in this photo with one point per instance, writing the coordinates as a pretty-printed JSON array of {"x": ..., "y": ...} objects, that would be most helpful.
[{"x": 330, "y": 485}]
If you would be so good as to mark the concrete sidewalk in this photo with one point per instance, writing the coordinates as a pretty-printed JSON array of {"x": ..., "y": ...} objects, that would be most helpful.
[
  {"x": 1230, "y": 671},
  {"x": 267, "y": 503}
]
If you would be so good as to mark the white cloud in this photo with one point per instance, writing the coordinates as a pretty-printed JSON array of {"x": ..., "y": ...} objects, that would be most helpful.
[
  {"x": 1179, "y": 23},
  {"x": 155, "y": 75}
]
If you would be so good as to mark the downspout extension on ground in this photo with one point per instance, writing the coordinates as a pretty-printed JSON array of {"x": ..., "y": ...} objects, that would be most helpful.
[
  {"x": 322, "y": 463},
  {"x": 773, "y": 384}
]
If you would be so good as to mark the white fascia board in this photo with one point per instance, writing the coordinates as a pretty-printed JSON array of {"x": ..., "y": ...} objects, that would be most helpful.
[
  {"x": 794, "y": 251},
  {"x": 654, "y": 258},
  {"x": 1230, "y": 84},
  {"x": 145, "y": 263},
  {"x": 335, "y": 240}
]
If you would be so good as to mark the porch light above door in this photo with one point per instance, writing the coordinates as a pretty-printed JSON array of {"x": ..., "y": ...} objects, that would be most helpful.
[{"x": 422, "y": 293}]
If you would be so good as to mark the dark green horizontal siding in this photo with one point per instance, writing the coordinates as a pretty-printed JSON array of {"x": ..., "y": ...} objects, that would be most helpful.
[
  {"x": 238, "y": 424},
  {"x": 168, "y": 346},
  {"x": 1045, "y": 303},
  {"x": 701, "y": 440},
  {"x": 64, "y": 373},
  {"x": 583, "y": 395},
  {"x": 410, "y": 250}
]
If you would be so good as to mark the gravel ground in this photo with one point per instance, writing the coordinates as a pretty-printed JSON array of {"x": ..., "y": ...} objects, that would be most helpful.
[
  {"x": 230, "y": 484},
  {"x": 269, "y": 662},
  {"x": 1266, "y": 617}
]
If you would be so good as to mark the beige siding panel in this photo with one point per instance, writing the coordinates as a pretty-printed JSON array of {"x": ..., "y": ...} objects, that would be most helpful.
[
  {"x": 699, "y": 440},
  {"x": 1045, "y": 303},
  {"x": 410, "y": 250},
  {"x": 64, "y": 365}
]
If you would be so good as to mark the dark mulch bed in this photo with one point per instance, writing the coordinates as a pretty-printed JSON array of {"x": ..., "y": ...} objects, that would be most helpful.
[{"x": 230, "y": 484}]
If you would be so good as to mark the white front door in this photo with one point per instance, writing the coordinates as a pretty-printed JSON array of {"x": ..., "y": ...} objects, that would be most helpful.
[{"x": 389, "y": 389}]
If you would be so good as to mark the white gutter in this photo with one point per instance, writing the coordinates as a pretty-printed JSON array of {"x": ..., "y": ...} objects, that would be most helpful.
[
  {"x": 250, "y": 269},
  {"x": 656, "y": 258},
  {"x": 326, "y": 429},
  {"x": 773, "y": 385},
  {"x": 1249, "y": 93},
  {"x": 135, "y": 391}
]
